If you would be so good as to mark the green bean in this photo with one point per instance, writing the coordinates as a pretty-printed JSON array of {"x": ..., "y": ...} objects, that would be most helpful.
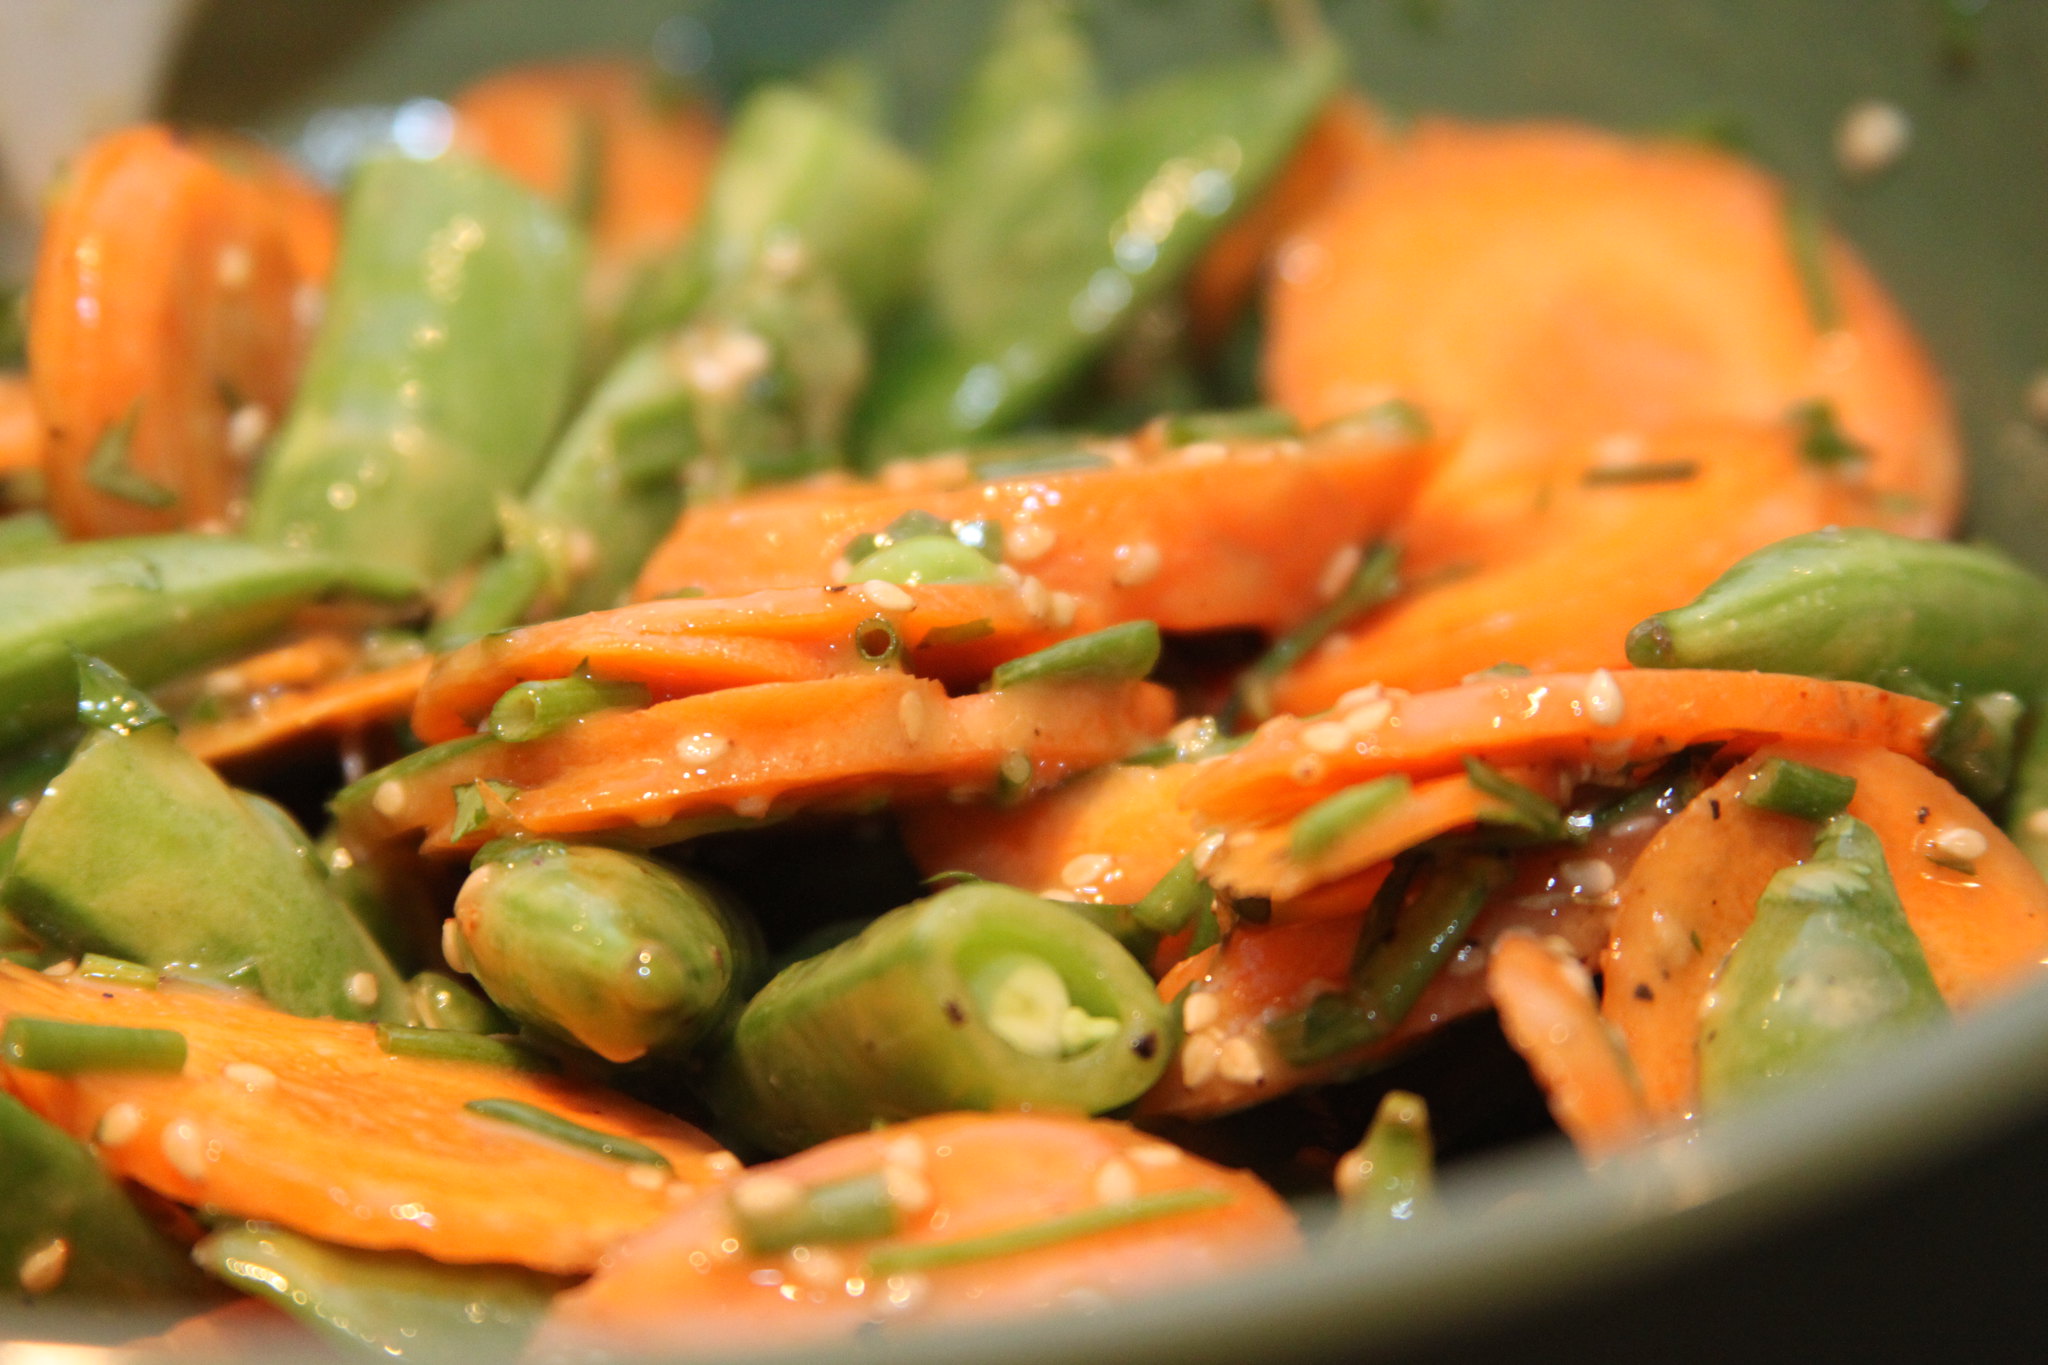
[
  {"x": 853, "y": 1209},
  {"x": 529, "y": 710},
  {"x": 1174, "y": 900},
  {"x": 1799, "y": 789},
  {"x": 447, "y": 1045},
  {"x": 903, "y": 1257},
  {"x": 552, "y": 1126},
  {"x": 1118, "y": 653},
  {"x": 66, "y": 1048},
  {"x": 441, "y": 1002},
  {"x": 1242, "y": 424},
  {"x": 1388, "y": 1182},
  {"x": 1374, "y": 582},
  {"x": 1316, "y": 830},
  {"x": 100, "y": 967}
]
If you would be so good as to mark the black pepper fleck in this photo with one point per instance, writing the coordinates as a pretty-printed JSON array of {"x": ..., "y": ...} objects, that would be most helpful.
[
  {"x": 1714, "y": 807},
  {"x": 1146, "y": 1046},
  {"x": 954, "y": 1014},
  {"x": 1921, "y": 815},
  {"x": 1643, "y": 991}
]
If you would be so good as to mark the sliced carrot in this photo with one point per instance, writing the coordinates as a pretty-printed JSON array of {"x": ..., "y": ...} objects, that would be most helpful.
[
  {"x": 282, "y": 724},
  {"x": 602, "y": 137},
  {"x": 1608, "y": 719},
  {"x": 954, "y": 631},
  {"x": 166, "y": 327},
  {"x": 22, "y": 434},
  {"x": 1694, "y": 891},
  {"x": 1597, "y": 560},
  {"x": 954, "y": 1178},
  {"x": 1547, "y": 1010},
  {"x": 736, "y": 755},
  {"x": 1198, "y": 538},
  {"x": 232, "y": 1329},
  {"x": 308, "y": 1123}
]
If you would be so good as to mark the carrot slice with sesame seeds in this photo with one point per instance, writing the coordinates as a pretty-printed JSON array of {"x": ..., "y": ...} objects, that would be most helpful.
[
  {"x": 1604, "y": 718},
  {"x": 286, "y": 722},
  {"x": 1694, "y": 891},
  {"x": 308, "y": 1123},
  {"x": 957, "y": 632},
  {"x": 1200, "y": 537},
  {"x": 1107, "y": 1210},
  {"x": 1548, "y": 1013},
  {"x": 166, "y": 327}
]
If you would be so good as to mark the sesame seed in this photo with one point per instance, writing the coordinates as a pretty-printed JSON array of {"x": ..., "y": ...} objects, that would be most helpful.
[
  {"x": 910, "y": 711},
  {"x": 1871, "y": 137},
  {"x": 1015, "y": 768},
  {"x": 1205, "y": 852},
  {"x": 250, "y": 1076},
  {"x": 1155, "y": 1155},
  {"x": 908, "y": 1191},
  {"x": 1061, "y": 609},
  {"x": 1957, "y": 847},
  {"x": 1327, "y": 737},
  {"x": 751, "y": 807},
  {"x": 1239, "y": 1063},
  {"x": 1028, "y": 540},
  {"x": 247, "y": 426},
  {"x": 906, "y": 1151},
  {"x": 1308, "y": 769},
  {"x": 818, "y": 1267},
  {"x": 362, "y": 989},
  {"x": 64, "y": 968},
  {"x": 703, "y": 748},
  {"x": 1037, "y": 599},
  {"x": 1198, "y": 1056},
  {"x": 1603, "y": 698},
  {"x": 1338, "y": 571},
  {"x": 1116, "y": 1183},
  {"x": 43, "y": 1269},
  {"x": 184, "y": 1148},
  {"x": 1368, "y": 717},
  {"x": 118, "y": 1125},
  {"x": 839, "y": 569},
  {"x": 2037, "y": 823},
  {"x": 766, "y": 1196},
  {"x": 454, "y": 951},
  {"x": 1204, "y": 452},
  {"x": 1200, "y": 1010},
  {"x": 1084, "y": 869},
  {"x": 1359, "y": 696},
  {"x": 721, "y": 1163},
  {"x": 309, "y": 304},
  {"x": 887, "y": 595},
  {"x": 389, "y": 800},
  {"x": 233, "y": 266},
  {"x": 642, "y": 1176},
  {"x": 1588, "y": 876},
  {"x": 1136, "y": 564}
]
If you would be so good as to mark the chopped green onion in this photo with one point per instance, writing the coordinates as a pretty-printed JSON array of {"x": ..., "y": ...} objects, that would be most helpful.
[
  {"x": 1821, "y": 438},
  {"x": 1122, "y": 652},
  {"x": 1175, "y": 899},
  {"x": 1791, "y": 788},
  {"x": 897, "y": 1258},
  {"x": 473, "y": 801},
  {"x": 1519, "y": 807},
  {"x": 533, "y": 709},
  {"x": 544, "y": 1123},
  {"x": 1806, "y": 235},
  {"x": 959, "y": 633},
  {"x": 108, "y": 701},
  {"x": 65, "y": 1048},
  {"x": 451, "y": 1045},
  {"x": 1208, "y": 929},
  {"x": 877, "y": 640},
  {"x": 101, "y": 968},
  {"x": 1390, "y": 419},
  {"x": 1316, "y": 830},
  {"x": 108, "y": 470},
  {"x": 855, "y": 1209},
  {"x": 1241, "y": 424},
  {"x": 1008, "y": 463},
  {"x": 1375, "y": 581},
  {"x": 1648, "y": 471}
]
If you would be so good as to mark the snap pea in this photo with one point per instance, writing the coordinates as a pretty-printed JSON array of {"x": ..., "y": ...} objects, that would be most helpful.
[
  {"x": 386, "y": 1304},
  {"x": 1388, "y": 1182},
  {"x": 1800, "y": 789},
  {"x": 980, "y": 997},
  {"x": 100, "y": 967},
  {"x": 609, "y": 950},
  {"x": 442, "y": 1003},
  {"x": 440, "y": 369},
  {"x": 1828, "y": 965},
  {"x": 68, "y": 1234},
  {"x": 1174, "y": 900},
  {"x": 1119, "y": 652},
  {"x": 154, "y": 607}
]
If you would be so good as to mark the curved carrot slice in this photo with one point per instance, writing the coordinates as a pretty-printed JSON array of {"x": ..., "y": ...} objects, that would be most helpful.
[
  {"x": 951, "y": 1180},
  {"x": 1694, "y": 891},
  {"x": 284, "y": 723},
  {"x": 734, "y": 755},
  {"x": 1196, "y": 538},
  {"x": 1550, "y": 1017},
  {"x": 21, "y": 427},
  {"x": 601, "y": 137},
  {"x": 306, "y": 1122},
  {"x": 954, "y": 631},
  {"x": 1543, "y": 286},
  {"x": 166, "y": 327},
  {"x": 1599, "y": 552},
  {"x": 1605, "y": 718}
]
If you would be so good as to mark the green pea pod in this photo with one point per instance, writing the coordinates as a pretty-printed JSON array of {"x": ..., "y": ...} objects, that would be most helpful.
[
  {"x": 1115, "y": 213},
  {"x": 441, "y": 368},
  {"x": 1388, "y": 1182},
  {"x": 68, "y": 1234},
  {"x": 1828, "y": 966},
  {"x": 606, "y": 949},
  {"x": 139, "y": 851},
  {"x": 981, "y": 997},
  {"x": 154, "y": 607},
  {"x": 1865, "y": 606},
  {"x": 385, "y": 1304},
  {"x": 441, "y": 1002}
]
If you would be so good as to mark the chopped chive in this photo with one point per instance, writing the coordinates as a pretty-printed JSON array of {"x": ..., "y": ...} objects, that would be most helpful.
[
  {"x": 533, "y": 709},
  {"x": 1821, "y": 438},
  {"x": 64, "y": 1048},
  {"x": 1011, "y": 464},
  {"x": 1120, "y": 922},
  {"x": 1240, "y": 424},
  {"x": 1792, "y": 788},
  {"x": 547, "y": 1124},
  {"x": 1208, "y": 929},
  {"x": 959, "y": 633},
  {"x": 1806, "y": 235},
  {"x": 1316, "y": 830},
  {"x": 108, "y": 701},
  {"x": 855, "y": 1209},
  {"x": 1668, "y": 789},
  {"x": 897, "y": 1258},
  {"x": 1648, "y": 471},
  {"x": 363, "y": 791},
  {"x": 473, "y": 801},
  {"x": 101, "y": 968},
  {"x": 1175, "y": 899},
  {"x": 877, "y": 640},
  {"x": 1205, "y": 740},
  {"x": 1376, "y": 580},
  {"x": 1390, "y": 419},
  {"x": 1519, "y": 807},
  {"x": 108, "y": 470},
  {"x": 1121, "y": 652},
  {"x": 451, "y": 1045},
  {"x": 1975, "y": 746}
]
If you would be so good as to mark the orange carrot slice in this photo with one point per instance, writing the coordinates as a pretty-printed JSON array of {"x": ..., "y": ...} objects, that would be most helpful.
[
  {"x": 166, "y": 327},
  {"x": 953, "y": 1179},
  {"x": 1608, "y": 719},
  {"x": 1694, "y": 891},
  {"x": 1542, "y": 286},
  {"x": 1197, "y": 538},
  {"x": 736, "y": 755},
  {"x": 1547, "y": 1010},
  {"x": 308, "y": 1123},
  {"x": 283, "y": 724},
  {"x": 953, "y": 631},
  {"x": 21, "y": 427}
]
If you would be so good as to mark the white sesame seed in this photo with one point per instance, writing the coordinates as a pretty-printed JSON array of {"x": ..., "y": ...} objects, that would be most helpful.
[
  {"x": 751, "y": 807},
  {"x": 1618, "y": 448},
  {"x": 184, "y": 1148},
  {"x": 1203, "y": 452},
  {"x": 118, "y": 1125},
  {"x": 839, "y": 569},
  {"x": 1588, "y": 876},
  {"x": 908, "y": 1191},
  {"x": 362, "y": 989},
  {"x": 1155, "y": 1156},
  {"x": 721, "y": 1163},
  {"x": 454, "y": 951},
  {"x": 233, "y": 266},
  {"x": 766, "y": 1196},
  {"x": 1308, "y": 769},
  {"x": 1958, "y": 847},
  {"x": 1871, "y": 137},
  {"x": 1368, "y": 717},
  {"x": 886, "y": 595},
  {"x": 906, "y": 1151},
  {"x": 1205, "y": 852},
  {"x": 910, "y": 711},
  {"x": 1085, "y": 869},
  {"x": 1037, "y": 599},
  {"x": 1359, "y": 696},
  {"x": 1060, "y": 610},
  {"x": 247, "y": 426},
  {"x": 1200, "y": 1010},
  {"x": 1603, "y": 698},
  {"x": 64, "y": 968},
  {"x": 1327, "y": 737},
  {"x": 1027, "y": 541},
  {"x": 389, "y": 800},
  {"x": 2037, "y": 823},
  {"x": 1239, "y": 1062},
  {"x": 43, "y": 1269},
  {"x": 250, "y": 1076},
  {"x": 1116, "y": 1183},
  {"x": 1338, "y": 572},
  {"x": 703, "y": 748},
  {"x": 642, "y": 1176},
  {"x": 1136, "y": 564},
  {"x": 1015, "y": 768},
  {"x": 1198, "y": 1057}
]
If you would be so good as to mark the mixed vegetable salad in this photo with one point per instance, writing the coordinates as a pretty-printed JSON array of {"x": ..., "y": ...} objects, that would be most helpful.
[{"x": 690, "y": 730}]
